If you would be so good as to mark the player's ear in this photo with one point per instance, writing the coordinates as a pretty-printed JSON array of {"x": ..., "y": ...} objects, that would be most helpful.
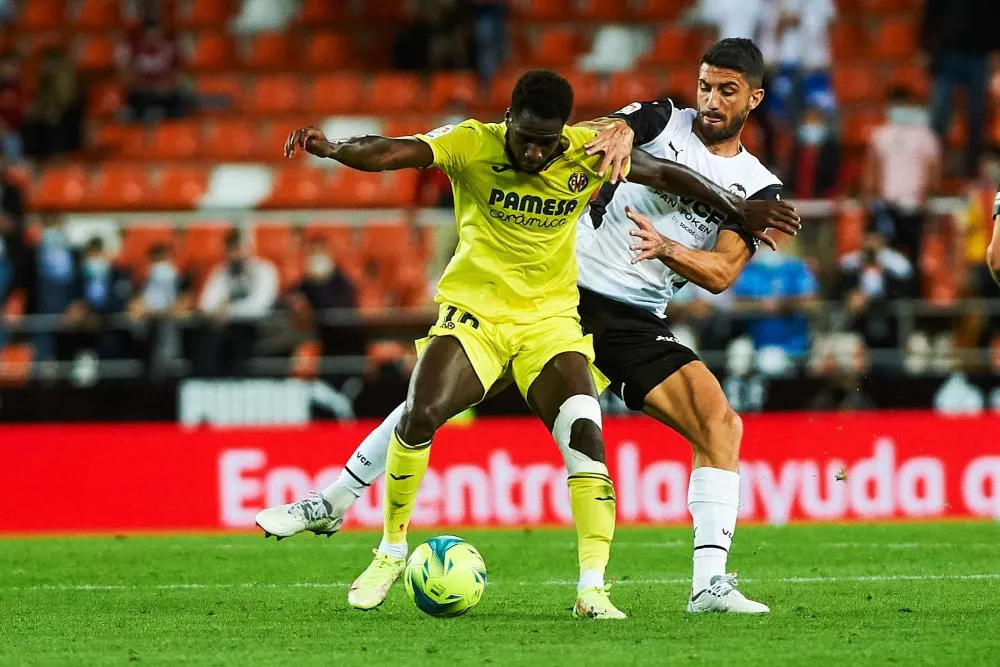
[
  {"x": 506, "y": 115},
  {"x": 756, "y": 97}
]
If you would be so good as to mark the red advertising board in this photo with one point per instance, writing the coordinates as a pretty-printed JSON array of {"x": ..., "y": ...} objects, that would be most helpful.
[{"x": 827, "y": 467}]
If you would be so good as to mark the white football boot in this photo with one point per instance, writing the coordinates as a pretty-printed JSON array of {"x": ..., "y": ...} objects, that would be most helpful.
[
  {"x": 596, "y": 603},
  {"x": 314, "y": 514},
  {"x": 722, "y": 595}
]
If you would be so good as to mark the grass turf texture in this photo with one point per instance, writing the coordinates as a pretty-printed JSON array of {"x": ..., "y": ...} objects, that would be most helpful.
[{"x": 908, "y": 594}]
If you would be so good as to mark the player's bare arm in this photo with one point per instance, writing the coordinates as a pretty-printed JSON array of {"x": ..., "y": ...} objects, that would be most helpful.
[
  {"x": 754, "y": 215},
  {"x": 367, "y": 153},
  {"x": 993, "y": 251},
  {"x": 715, "y": 269}
]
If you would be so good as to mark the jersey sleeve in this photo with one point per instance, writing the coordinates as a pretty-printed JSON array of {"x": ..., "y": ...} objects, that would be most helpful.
[
  {"x": 454, "y": 145},
  {"x": 647, "y": 119},
  {"x": 769, "y": 192}
]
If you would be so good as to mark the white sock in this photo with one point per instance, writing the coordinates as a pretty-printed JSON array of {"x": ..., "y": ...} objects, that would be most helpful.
[
  {"x": 590, "y": 579},
  {"x": 714, "y": 502},
  {"x": 397, "y": 550},
  {"x": 365, "y": 465}
]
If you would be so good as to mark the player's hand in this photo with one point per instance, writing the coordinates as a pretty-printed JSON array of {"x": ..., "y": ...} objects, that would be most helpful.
[
  {"x": 762, "y": 214},
  {"x": 650, "y": 242},
  {"x": 615, "y": 141},
  {"x": 300, "y": 139}
]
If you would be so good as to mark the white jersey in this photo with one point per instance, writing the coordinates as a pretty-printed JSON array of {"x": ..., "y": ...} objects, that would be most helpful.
[{"x": 603, "y": 236}]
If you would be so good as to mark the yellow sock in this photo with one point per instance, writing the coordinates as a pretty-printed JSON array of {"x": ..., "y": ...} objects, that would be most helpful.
[
  {"x": 592, "y": 498},
  {"x": 404, "y": 468}
]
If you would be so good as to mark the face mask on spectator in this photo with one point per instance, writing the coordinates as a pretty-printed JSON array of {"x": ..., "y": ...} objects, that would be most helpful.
[
  {"x": 320, "y": 266},
  {"x": 162, "y": 272},
  {"x": 97, "y": 267},
  {"x": 906, "y": 114},
  {"x": 236, "y": 266},
  {"x": 813, "y": 134},
  {"x": 53, "y": 238}
]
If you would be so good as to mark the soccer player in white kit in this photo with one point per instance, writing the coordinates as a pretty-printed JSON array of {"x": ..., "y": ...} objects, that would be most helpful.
[{"x": 635, "y": 248}]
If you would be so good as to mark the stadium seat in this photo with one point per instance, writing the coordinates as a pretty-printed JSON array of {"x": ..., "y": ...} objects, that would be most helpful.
[
  {"x": 627, "y": 87},
  {"x": 211, "y": 51},
  {"x": 229, "y": 140},
  {"x": 394, "y": 93},
  {"x": 452, "y": 87},
  {"x": 270, "y": 51},
  {"x": 276, "y": 242},
  {"x": 850, "y": 227},
  {"x": 352, "y": 189},
  {"x": 858, "y": 127},
  {"x": 137, "y": 239},
  {"x": 273, "y": 94},
  {"x": 672, "y": 45},
  {"x": 501, "y": 88},
  {"x": 15, "y": 364},
  {"x": 385, "y": 11},
  {"x": 119, "y": 187},
  {"x": 201, "y": 247},
  {"x": 388, "y": 243},
  {"x": 120, "y": 140},
  {"x": 181, "y": 187},
  {"x": 339, "y": 236},
  {"x": 41, "y": 15},
  {"x": 95, "y": 53},
  {"x": 298, "y": 185},
  {"x": 587, "y": 90},
  {"x": 857, "y": 82},
  {"x": 557, "y": 47},
  {"x": 221, "y": 86},
  {"x": 543, "y": 10},
  {"x": 888, "y": 6},
  {"x": 176, "y": 140},
  {"x": 207, "y": 14},
  {"x": 98, "y": 14},
  {"x": 408, "y": 126},
  {"x": 104, "y": 99},
  {"x": 314, "y": 13},
  {"x": 656, "y": 11},
  {"x": 270, "y": 139},
  {"x": 335, "y": 94},
  {"x": 895, "y": 38},
  {"x": 324, "y": 51},
  {"x": 603, "y": 11},
  {"x": 60, "y": 189},
  {"x": 848, "y": 39},
  {"x": 681, "y": 82}
]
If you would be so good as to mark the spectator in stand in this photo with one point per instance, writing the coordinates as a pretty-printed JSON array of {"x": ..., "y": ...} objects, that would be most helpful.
[
  {"x": 976, "y": 220},
  {"x": 12, "y": 106},
  {"x": 490, "y": 21},
  {"x": 440, "y": 38},
  {"x": 957, "y": 39},
  {"x": 55, "y": 119},
  {"x": 871, "y": 278},
  {"x": 54, "y": 288},
  {"x": 104, "y": 292},
  {"x": 814, "y": 169},
  {"x": 902, "y": 170},
  {"x": 238, "y": 295},
  {"x": 9, "y": 271},
  {"x": 324, "y": 288},
  {"x": 730, "y": 18},
  {"x": 779, "y": 290},
  {"x": 703, "y": 318},
  {"x": 149, "y": 63},
  {"x": 157, "y": 308}
]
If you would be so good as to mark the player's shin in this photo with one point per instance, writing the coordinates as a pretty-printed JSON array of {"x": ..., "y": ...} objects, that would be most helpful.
[
  {"x": 364, "y": 467},
  {"x": 713, "y": 500},
  {"x": 405, "y": 467}
]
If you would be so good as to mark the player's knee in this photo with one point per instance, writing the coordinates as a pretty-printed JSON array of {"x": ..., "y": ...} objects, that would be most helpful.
[
  {"x": 420, "y": 421},
  {"x": 577, "y": 431},
  {"x": 722, "y": 437}
]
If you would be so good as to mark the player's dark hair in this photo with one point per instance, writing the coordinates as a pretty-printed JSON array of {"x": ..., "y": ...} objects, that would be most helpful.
[
  {"x": 544, "y": 94},
  {"x": 233, "y": 239},
  {"x": 740, "y": 55},
  {"x": 901, "y": 94},
  {"x": 94, "y": 244},
  {"x": 992, "y": 150}
]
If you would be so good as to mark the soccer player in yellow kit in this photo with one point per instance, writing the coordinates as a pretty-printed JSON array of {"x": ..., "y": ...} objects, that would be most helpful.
[{"x": 508, "y": 301}]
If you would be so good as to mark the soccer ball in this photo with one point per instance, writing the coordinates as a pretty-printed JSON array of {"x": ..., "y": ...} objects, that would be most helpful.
[{"x": 445, "y": 576}]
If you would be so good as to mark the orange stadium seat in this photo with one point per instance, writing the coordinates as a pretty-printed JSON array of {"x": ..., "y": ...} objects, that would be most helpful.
[
  {"x": 603, "y": 11},
  {"x": 543, "y": 10},
  {"x": 104, "y": 99},
  {"x": 587, "y": 90},
  {"x": 627, "y": 87},
  {"x": 226, "y": 86},
  {"x": 270, "y": 50},
  {"x": 278, "y": 93},
  {"x": 99, "y": 14},
  {"x": 95, "y": 53},
  {"x": 656, "y": 10},
  {"x": 848, "y": 39},
  {"x": 298, "y": 185},
  {"x": 449, "y": 87},
  {"x": 557, "y": 47},
  {"x": 182, "y": 187},
  {"x": 324, "y": 51},
  {"x": 119, "y": 187},
  {"x": 138, "y": 239},
  {"x": 176, "y": 140},
  {"x": 202, "y": 246},
  {"x": 322, "y": 12},
  {"x": 673, "y": 45},
  {"x": 858, "y": 82},
  {"x": 888, "y": 6},
  {"x": 118, "y": 139},
  {"x": 269, "y": 140},
  {"x": 15, "y": 364},
  {"x": 895, "y": 38},
  {"x": 850, "y": 227},
  {"x": 394, "y": 93},
  {"x": 207, "y": 14},
  {"x": 339, "y": 236},
  {"x": 385, "y": 11},
  {"x": 858, "y": 127},
  {"x": 274, "y": 241},
  {"x": 682, "y": 83},
  {"x": 335, "y": 94},
  {"x": 501, "y": 88},
  {"x": 41, "y": 15},
  {"x": 387, "y": 242},
  {"x": 352, "y": 189},
  {"x": 211, "y": 51},
  {"x": 409, "y": 125},
  {"x": 60, "y": 189},
  {"x": 230, "y": 139}
]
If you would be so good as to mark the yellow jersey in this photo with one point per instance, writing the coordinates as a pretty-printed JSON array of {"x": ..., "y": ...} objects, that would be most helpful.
[{"x": 515, "y": 260}]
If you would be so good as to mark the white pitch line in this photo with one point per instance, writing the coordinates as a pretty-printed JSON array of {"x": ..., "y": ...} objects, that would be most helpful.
[{"x": 889, "y": 578}]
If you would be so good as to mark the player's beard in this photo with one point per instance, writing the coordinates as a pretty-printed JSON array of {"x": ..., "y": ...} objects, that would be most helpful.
[{"x": 715, "y": 134}]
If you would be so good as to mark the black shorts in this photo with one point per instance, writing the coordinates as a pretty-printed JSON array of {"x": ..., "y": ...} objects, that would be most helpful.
[{"x": 634, "y": 348}]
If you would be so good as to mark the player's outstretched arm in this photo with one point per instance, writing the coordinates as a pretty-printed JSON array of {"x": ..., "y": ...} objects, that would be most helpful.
[
  {"x": 993, "y": 251},
  {"x": 368, "y": 153},
  {"x": 754, "y": 216},
  {"x": 715, "y": 269}
]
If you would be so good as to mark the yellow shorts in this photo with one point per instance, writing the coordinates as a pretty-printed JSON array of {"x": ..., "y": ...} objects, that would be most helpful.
[{"x": 520, "y": 350}]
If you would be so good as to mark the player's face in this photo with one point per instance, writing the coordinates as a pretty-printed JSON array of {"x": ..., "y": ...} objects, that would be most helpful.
[
  {"x": 532, "y": 141},
  {"x": 725, "y": 99}
]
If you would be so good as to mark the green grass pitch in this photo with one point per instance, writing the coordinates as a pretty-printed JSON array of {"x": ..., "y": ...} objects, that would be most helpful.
[{"x": 846, "y": 595}]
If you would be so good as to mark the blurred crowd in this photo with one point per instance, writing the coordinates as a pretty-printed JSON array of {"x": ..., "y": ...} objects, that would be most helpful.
[{"x": 773, "y": 320}]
